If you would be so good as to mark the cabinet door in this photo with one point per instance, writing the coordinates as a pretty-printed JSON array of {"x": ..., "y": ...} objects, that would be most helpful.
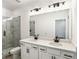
[
  {"x": 25, "y": 51},
  {"x": 54, "y": 56},
  {"x": 49, "y": 56},
  {"x": 43, "y": 55},
  {"x": 34, "y": 52},
  {"x": 57, "y": 57}
]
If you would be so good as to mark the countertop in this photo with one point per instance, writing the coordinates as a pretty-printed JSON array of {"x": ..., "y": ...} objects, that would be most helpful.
[{"x": 50, "y": 43}]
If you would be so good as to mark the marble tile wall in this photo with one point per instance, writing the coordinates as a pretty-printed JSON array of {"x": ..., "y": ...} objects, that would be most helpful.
[{"x": 12, "y": 29}]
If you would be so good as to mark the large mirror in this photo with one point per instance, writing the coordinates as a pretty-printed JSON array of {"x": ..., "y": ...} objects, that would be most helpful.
[{"x": 50, "y": 24}]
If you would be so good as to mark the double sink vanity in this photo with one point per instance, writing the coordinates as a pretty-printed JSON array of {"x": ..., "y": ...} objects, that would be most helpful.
[
  {"x": 55, "y": 22},
  {"x": 46, "y": 49}
]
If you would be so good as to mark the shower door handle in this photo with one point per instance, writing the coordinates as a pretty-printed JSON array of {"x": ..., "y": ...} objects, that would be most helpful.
[
  {"x": 4, "y": 33},
  {"x": 30, "y": 30}
]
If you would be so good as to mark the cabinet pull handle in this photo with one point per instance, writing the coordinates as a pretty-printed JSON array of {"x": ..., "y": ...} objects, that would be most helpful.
[
  {"x": 42, "y": 49},
  {"x": 68, "y": 55},
  {"x": 52, "y": 57},
  {"x": 35, "y": 47},
  {"x": 27, "y": 50}
]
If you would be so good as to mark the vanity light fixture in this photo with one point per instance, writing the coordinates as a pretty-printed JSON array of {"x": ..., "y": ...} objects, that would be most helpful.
[
  {"x": 63, "y": 3},
  {"x": 18, "y": 1},
  {"x": 36, "y": 9},
  {"x": 49, "y": 6},
  {"x": 56, "y": 4}
]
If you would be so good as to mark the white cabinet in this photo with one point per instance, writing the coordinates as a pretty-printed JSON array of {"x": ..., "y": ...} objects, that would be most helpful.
[
  {"x": 34, "y": 52},
  {"x": 54, "y": 53},
  {"x": 68, "y": 55},
  {"x": 51, "y": 56},
  {"x": 47, "y": 53},
  {"x": 48, "y": 56},
  {"x": 25, "y": 51},
  {"x": 43, "y": 53}
]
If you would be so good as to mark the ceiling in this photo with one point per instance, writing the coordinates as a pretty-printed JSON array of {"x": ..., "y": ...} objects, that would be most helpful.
[{"x": 13, "y": 4}]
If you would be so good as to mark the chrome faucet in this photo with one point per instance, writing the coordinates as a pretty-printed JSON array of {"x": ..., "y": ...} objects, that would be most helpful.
[
  {"x": 56, "y": 39},
  {"x": 36, "y": 36}
]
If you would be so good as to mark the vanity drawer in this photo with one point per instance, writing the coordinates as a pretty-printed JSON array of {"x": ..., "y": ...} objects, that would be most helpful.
[
  {"x": 42, "y": 49},
  {"x": 67, "y": 55},
  {"x": 53, "y": 51},
  {"x": 34, "y": 46}
]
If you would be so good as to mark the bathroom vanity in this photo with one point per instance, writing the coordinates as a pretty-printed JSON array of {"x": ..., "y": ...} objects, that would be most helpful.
[
  {"x": 48, "y": 23},
  {"x": 46, "y": 49}
]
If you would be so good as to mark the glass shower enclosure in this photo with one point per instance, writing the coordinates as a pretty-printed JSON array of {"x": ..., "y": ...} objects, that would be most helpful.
[{"x": 10, "y": 34}]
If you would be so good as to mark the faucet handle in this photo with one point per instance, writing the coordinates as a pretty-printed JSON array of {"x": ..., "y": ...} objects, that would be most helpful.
[{"x": 36, "y": 36}]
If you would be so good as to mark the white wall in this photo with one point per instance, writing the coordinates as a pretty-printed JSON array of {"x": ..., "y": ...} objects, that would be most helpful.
[
  {"x": 24, "y": 21},
  {"x": 74, "y": 22},
  {"x": 7, "y": 12}
]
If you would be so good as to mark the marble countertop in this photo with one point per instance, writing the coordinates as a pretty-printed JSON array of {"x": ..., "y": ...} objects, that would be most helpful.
[{"x": 50, "y": 43}]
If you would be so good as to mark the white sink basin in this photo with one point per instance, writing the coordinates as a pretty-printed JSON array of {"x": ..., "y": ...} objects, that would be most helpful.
[
  {"x": 37, "y": 41},
  {"x": 55, "y": 44}
]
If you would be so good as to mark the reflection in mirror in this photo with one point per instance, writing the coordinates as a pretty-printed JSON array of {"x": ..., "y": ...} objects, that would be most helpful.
[
  {"x": 50, "y": 24},
  {"x": 32, "y": 28},
  {"x": 60, "y": 29}
]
